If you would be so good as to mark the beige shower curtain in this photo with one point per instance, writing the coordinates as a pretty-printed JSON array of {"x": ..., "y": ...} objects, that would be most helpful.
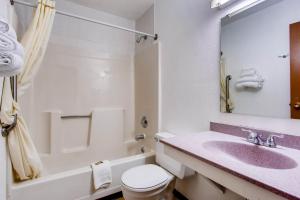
[
  {"x": 223, "y": 86},
  {"x": 35, "y": 42},
  {"x": 24, "y": 157}
]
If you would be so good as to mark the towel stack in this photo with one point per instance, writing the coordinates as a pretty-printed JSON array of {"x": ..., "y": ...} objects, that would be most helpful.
[
  {"x": 249, "y": 79},
  {"x": 11, "y": 51}
]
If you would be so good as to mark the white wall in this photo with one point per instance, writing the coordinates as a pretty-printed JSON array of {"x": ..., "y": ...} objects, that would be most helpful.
[
  {"x": 256, "y": 41},
  {"x": 189, "y": 33}
]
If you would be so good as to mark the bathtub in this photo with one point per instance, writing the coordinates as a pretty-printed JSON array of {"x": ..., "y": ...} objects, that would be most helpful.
[{"x": 76, "y": 184}]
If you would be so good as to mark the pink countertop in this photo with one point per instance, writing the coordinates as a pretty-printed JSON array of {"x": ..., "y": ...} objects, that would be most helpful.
[{"x": 283, "y": 182}]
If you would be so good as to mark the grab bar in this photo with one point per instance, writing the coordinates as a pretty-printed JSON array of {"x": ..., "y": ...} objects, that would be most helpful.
[
  {"x": 76, "y": 116},
  {"x": 228, "y": 109}
]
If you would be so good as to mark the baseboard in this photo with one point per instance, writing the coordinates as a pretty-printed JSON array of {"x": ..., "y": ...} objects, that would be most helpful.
[
  {"x": 113, "y": 196},
  {"x": 178, "y": 195}
]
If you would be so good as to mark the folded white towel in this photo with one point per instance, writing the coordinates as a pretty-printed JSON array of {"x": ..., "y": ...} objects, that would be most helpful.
[
  {"x": 9, "y": 44},
  {"x": 256, "y": 85},
  {"x": 7, "y": 29},
  {"x": 4, "y": 26},
  {"x": 10, "y": 73},
  {"x": 10, "y": 64},
  {"x": 248, "y": 72},
  {"x": 255, "y": 78},
  {"x": 101, "y": 174}
]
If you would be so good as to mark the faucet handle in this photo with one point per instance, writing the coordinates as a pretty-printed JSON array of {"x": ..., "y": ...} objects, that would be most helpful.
[
  {"x": 270, "y": 142},
  {"x": 140, "y": 136},
  {"x": 252, "y": 134},
  {"x": 253, "y": 137}
]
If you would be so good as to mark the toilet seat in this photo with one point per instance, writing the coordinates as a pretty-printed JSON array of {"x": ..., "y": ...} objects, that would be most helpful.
[{"x": 145, "y": 178}]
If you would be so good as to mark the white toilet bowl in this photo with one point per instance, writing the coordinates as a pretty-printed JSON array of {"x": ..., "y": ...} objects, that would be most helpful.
[
  {"x": 152, "y": 182},
  {"x": 147, "y": 182}
]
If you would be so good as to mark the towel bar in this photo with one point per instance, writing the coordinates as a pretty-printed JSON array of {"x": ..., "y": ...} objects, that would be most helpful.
[
  {"x": 228, "y": 109},
  {"x": 76, "y": 116}
]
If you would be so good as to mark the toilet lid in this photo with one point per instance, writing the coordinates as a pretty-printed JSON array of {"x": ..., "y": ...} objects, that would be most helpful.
[{"x": 145, "y": 177}]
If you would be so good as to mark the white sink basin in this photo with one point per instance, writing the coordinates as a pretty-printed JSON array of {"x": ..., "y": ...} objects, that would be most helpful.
[{"x": 251, "y": 154}]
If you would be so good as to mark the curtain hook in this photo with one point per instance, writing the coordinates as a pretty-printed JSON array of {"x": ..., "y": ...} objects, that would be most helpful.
[{"x": 12, "y": 2}]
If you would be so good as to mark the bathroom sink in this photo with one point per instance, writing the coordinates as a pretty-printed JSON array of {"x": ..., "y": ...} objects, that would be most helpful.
[{"x": 251, "y": 154}]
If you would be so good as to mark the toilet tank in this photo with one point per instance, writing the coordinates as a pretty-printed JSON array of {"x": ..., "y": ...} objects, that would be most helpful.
[{"x": 168, "y": 163}]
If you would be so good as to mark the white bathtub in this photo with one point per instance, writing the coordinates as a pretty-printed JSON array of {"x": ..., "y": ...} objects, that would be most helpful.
[{"x": 76, "y": 184}]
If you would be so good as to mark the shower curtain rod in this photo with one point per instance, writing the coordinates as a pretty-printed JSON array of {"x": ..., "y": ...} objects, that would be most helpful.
[{"x": 155, "y": 37}]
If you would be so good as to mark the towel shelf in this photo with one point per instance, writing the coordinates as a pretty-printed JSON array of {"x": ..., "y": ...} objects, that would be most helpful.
[{"x": 76, "y": 116}]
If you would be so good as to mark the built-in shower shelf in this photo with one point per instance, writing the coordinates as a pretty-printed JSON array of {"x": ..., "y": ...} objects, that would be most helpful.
[
  {"x": 76, "y": 134},
  {"x": 88, "y": 138}
]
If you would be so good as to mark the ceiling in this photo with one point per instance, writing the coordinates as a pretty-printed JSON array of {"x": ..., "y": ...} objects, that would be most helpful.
[{"x": 130, "y": 9}]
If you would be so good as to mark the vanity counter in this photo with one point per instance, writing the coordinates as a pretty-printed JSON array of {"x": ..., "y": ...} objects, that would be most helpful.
[{"x": 282, "y": 180}]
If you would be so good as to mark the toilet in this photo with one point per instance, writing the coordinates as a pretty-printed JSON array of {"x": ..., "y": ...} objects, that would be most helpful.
[{"x": 154, "y": 182}]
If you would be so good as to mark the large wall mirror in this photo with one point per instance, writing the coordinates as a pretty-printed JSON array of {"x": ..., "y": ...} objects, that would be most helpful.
[{"x": 260, "y": 60}]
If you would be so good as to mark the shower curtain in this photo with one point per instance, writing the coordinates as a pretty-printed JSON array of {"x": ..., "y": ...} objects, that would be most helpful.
[
  {"x": 23, "y": 154},
  {"x": 223, "y": 87},
  {"x": 35, "y": 42}
]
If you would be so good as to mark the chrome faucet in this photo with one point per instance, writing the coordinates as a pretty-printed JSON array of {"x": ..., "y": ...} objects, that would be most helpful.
[
  {"x": 257, "y": 139},
  {"x": 270, "y": 142},
  {"x": 253, "y": 137}
]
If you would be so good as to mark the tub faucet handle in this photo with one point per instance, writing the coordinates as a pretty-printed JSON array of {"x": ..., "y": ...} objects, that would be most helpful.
[{"x": 141, "y": 136}]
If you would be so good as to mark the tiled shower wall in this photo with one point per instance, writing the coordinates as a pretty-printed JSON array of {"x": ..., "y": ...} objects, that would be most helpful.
[{"x": 88, "y": 69}]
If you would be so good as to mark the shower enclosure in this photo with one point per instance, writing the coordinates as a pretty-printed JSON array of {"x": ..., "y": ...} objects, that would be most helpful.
[{"x": 95, "y": 85}]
